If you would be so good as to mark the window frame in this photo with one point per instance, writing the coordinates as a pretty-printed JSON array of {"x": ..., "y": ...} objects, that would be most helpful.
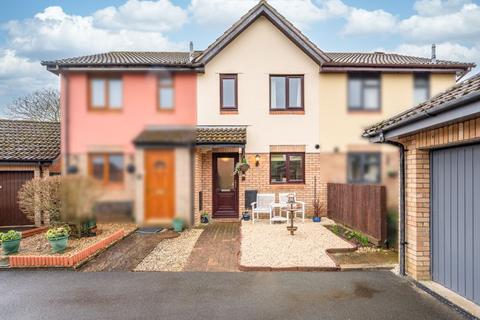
[
  {"x": 287, "y": 167},
  {"x": 287, "y": 92},
  {"x": 363, "y": 77},
  {"x": 106, "y": 91},
  {"x": 159, "y": 86},
  {"x": 427, "y": 87},
  {"x": 362, "y": 162},
  {"x": 229, "y": 76},
  {"x": 106, "y": 170}
]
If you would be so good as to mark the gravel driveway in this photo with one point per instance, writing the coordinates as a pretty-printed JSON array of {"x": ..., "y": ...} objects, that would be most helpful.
[
  {"x": 271, "y": 245},
  {"x": 171, "y": 254}
]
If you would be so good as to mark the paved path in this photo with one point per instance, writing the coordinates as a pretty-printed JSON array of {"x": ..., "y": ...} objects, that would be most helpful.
[
  {"x": 128, "y": 253},
  {"x": 234, "y": 295},
  {"x": 217, "y": 248}
]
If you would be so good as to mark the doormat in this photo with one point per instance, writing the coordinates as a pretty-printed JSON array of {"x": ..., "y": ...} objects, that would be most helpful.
[{"x": 147, "y": 230}]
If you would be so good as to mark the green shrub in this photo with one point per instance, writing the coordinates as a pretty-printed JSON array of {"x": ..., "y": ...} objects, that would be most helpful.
[
  {"x": 10, "y": 235},
  {"x": 363, "y": 239},
  {"x": 58, "y": 232},
  {"x": 336, "y": 229}
]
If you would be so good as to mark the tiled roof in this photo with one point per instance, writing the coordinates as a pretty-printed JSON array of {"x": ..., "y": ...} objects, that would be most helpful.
[
  {"x": 29, "y": 140},
  {"x": 462, "y": 89},
  {"x": 388, "y": 59},
  {"x": 221, "y": 134},
  {"x": 123, "y": 58},
  {"x": 262, "y": 8},
  {"x": 166, "y": 136},
  {"x": 200, "y": 135},
  {"x": 352, "y": 59}
]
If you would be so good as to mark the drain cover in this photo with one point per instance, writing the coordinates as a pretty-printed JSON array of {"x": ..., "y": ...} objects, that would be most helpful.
[{"x": 149, "y": 230}]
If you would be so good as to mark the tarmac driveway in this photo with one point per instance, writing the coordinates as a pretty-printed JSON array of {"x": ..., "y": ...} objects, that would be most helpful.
[{"x": 193, "y": 295}]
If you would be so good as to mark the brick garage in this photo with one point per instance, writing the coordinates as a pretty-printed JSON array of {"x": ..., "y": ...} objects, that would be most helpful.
[
  {"x": 28, "y": 149},
  {"x": 441, "y": 138}
]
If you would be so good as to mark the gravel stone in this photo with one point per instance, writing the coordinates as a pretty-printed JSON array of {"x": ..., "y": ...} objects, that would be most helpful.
[
  {"x": 171, "y": 254},
  {"x": 271, "y": 245}
]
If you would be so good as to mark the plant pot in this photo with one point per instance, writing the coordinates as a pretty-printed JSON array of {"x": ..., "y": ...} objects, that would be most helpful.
[
  {"x": 177, "y": 225},
  {"x": 244, "y": 167},
  {"x": 204, "y": 219},
  {"x": 11, "y": 246},
  {"x": 58, "y": 244},
  {"x": 316, "y": 219},
  {"x": 246, "y": 216}
]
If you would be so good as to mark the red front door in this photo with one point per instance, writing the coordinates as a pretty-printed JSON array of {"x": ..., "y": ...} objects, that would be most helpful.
[{"x": 225, "y": 185}]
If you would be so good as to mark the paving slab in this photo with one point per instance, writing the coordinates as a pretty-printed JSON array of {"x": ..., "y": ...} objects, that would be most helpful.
[{"x": 217, "y": 248}]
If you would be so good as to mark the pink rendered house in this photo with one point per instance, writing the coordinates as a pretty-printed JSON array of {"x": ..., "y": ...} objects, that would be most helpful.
[{"x": 130, "y": 124}]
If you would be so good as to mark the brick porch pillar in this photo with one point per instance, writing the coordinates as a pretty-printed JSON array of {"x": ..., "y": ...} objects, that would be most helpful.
[{"x": 417, "y": 206}]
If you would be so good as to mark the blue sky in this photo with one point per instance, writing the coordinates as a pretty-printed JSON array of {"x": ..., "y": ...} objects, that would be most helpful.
[{"x": 33, "y": 30}]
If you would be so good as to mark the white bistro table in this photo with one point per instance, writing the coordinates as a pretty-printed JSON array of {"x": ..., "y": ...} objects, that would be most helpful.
[{"x": 278, "y": 218}]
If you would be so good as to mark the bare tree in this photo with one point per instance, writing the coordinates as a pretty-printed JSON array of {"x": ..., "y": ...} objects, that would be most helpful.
[{"x": 41, "y": 105}]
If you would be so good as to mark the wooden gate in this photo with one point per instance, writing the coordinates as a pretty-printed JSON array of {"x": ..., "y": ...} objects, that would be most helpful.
[{"x": 10, "y": 184}]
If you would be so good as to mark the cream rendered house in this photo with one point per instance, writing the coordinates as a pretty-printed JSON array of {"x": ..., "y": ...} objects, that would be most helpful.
[{"x": 295, "y": 112}]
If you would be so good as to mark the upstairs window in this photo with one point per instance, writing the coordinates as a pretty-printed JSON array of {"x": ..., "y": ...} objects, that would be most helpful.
[
  {"x": 106, "y": 93},
  {"x": 106, "y": 167},
  {"x": 287, "y": 168},
  {"x": 363, "y": 167},
  {"x": 364, "y": 92},
  {"x": 228, "y": 92},
  {"x": 286, "y": 92},
  {"x": 166, "y": 92},
  {"x": 421, "y": 83}
]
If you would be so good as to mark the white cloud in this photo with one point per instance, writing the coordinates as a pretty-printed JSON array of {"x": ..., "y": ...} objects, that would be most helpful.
[
  {"x": 444, "y": 51},
  {"x": 19, "y": 76},
  {"x": 461, "y": 24},
  {"x": 360, "y": 21},
  {"x": 438, "y": 7},
  {"x": 156, "y": 16},
  {"x": 54, "y": 32},
  {"x": 302, "y": 13}
]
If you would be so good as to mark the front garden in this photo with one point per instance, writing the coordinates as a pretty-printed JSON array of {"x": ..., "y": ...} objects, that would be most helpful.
[{"x": 68, "y": 233}]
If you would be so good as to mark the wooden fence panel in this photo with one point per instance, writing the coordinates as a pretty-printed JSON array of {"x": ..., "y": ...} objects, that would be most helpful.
[{"x": 360, "y": 207}]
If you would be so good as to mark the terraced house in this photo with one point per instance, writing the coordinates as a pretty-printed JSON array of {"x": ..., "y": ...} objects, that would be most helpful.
[{"x": 164, "y": 130}]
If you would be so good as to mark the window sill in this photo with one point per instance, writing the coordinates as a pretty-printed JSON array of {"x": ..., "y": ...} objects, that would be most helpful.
[
  {"x": 297, "y": 112},
  {"x": 113, "y": 186},
  {"x": 365, "y": 111},
  {"x": 166, "y": 110},
  {"x": 98, "y": 110},
  {"x": 286, "y": 184},
  {"x": 223, "y": 111}
]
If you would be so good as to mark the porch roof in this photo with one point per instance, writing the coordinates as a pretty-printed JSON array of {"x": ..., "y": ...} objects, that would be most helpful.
[
  {"x": 200, "y": 135},
  {"x": 221, "y": 135}
]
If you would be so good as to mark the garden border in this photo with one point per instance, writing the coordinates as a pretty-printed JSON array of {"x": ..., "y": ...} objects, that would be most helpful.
[{"x": 19, "y": 261}]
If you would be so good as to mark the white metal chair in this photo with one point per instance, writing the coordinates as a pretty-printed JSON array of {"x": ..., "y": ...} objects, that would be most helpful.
[
  {"x": 263, "y": 205},
  {"x": 283, "y": 199}
]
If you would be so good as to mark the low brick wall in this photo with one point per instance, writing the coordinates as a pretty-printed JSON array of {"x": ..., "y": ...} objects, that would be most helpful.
[{"x": 20, "y": 261}]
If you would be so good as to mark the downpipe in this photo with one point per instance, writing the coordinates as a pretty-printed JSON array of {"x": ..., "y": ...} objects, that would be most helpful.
[{"x": 403, "y": 243}]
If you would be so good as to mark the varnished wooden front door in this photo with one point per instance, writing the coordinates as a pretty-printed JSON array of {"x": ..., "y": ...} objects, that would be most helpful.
[
  {"x": 159, "y": 185},
  {"x": 225, "y": 185}
]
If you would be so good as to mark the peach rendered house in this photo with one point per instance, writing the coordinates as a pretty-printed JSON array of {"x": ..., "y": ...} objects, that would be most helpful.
[
  {"x": 111, "y": 103},
  {"x": 163, "y": 130}
]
